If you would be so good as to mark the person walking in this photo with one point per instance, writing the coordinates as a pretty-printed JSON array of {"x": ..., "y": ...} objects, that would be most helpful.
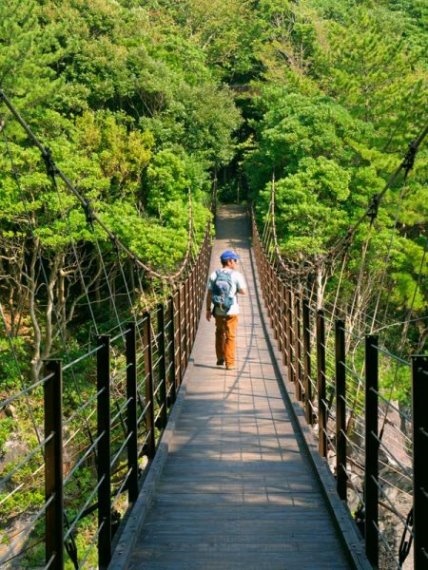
[{"x": 223, "y": 287}]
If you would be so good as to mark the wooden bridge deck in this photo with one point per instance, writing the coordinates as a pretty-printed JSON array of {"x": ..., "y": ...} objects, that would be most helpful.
[{"x": 233, "y": 485}]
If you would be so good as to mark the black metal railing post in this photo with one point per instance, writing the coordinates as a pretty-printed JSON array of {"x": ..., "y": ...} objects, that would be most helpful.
[
  {"x": 297, "y": 347},
  {"x": 321, "y": 384},
  {"x": 54, "y": 521},
  {"x": 189, "y": 317},
  {"x": 273, "y": 303},
  {"x": 131, "y": 416},
  {"x": 104, "y": 464},
  {"x": 273, "y": 306},
  {"x": 162, "y": 365},
  {"x": 186, "y": 327},
  {"x": 171, "y": 352},
  {"x": 281, "y": 312},
  {"x": 420, "y": 464},
  {"x": 264, "y": 278},
  {"x": 182, "y": 332},
  {"x": 149, "y": 397},
  {"x": 179, "y": 368},
  {"x": 259, "y": 266},
  {"x": 340, "y": 409},
  {"x": 290, "y": 339},
  {"x": 307, "y": 362},
  {"x": 195, "y": 304},
  {"x": 372, "y": 450}
]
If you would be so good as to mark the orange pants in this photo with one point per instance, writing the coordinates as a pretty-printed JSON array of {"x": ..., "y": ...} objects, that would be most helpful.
[{"x": 225, "y": 338}]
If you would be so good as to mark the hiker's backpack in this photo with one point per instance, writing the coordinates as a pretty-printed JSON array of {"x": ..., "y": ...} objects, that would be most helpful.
[{"x": 221, "y": 289}]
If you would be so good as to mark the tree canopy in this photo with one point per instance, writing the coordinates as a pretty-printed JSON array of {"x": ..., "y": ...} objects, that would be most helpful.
[{"x": 142, "y": 103}]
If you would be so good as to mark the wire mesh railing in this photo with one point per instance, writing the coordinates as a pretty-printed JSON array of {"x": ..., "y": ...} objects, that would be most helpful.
[
  {"x": 375, "y": 448},
  {"x": 98, "y": 421}
]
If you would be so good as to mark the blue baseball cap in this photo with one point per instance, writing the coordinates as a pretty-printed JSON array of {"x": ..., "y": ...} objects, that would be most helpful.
[{"x": 229, "y": 254}]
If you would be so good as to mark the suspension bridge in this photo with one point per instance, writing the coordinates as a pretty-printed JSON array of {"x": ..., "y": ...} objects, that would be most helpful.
[
  {"x": 237, "y": 488},
  {"x": 142, "y": 453}
]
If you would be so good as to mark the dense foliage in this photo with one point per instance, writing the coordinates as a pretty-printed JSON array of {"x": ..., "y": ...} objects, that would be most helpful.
[
  {"x": 141, "y": 102},
  {"x": 134, "y": 118},
  {"x": 342, "y": 94}
]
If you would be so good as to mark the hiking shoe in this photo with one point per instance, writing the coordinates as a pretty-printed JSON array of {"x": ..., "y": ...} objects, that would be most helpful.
[
  {"x": 220, "y": 362},
  {"x": 230, "y": 367}
]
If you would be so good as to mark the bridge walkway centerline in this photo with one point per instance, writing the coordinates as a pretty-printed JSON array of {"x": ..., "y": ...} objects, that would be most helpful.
[{"x": 232, "y": 485}]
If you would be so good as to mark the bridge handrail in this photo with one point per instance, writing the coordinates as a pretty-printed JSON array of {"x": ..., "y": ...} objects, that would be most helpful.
[
  {"x": 347, "y": 411},
  {"x": 94, "y": 461}
]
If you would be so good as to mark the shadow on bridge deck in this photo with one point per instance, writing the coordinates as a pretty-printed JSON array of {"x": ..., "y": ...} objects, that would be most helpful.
[{"x": 233, "y": 484}]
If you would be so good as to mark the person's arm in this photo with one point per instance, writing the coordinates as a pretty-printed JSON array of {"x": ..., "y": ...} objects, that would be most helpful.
[
  {"x": 242, "y": 286},
  {"x": 208, "y": 311}
]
